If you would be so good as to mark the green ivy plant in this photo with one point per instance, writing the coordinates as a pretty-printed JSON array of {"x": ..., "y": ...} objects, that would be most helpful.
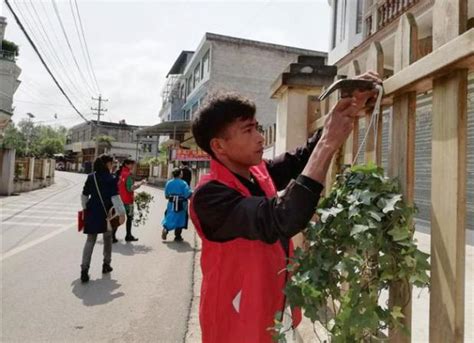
[
  {"x": 362, "y": 242},
  {"x": 142, "y": 207}
]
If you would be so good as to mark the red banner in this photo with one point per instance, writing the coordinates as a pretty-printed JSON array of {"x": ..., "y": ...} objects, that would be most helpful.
[{"x": 190, "y": 155}]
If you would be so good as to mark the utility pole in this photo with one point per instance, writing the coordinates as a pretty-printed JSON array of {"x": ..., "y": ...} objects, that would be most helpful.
[{"x": 99, "y": 110}]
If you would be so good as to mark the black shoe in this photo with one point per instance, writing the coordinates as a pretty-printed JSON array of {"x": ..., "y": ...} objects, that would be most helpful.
[
  {"x": 85, "y": 275},
  {"x": 178, "y": 239},
  {"x": 114, "y": 240},
  {"x": 131, "y": 239},
  {"x": 106, "y": 268},
  {"x": 164, "y": 233}
]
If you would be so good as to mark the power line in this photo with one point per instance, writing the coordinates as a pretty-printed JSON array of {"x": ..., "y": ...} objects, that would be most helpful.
[
  {"x": 56, "y": 10},
  {"x": 22, "y": 28},
  {"x": 87, "y": 48},
  {"x": 52, "y": 51},
  {"x": 46, "y": 56}
]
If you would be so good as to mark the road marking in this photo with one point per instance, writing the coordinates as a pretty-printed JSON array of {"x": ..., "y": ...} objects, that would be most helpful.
[
  {"x": 35, "y": 242},
  {"x": 10, "y": 223},
  {"x": 52, "y": 216},
  {"x": 39, "y": 210}
]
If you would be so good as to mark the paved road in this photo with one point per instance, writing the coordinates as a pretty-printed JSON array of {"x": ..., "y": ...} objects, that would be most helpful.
[{"x": 145, "y": 299}]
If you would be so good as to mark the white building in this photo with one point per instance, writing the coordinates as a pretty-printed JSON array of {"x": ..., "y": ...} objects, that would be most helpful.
[{"x": 9, "y": 73}]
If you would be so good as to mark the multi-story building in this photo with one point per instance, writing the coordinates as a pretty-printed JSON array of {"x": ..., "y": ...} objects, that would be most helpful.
[
  {"x": 223, "y": 63},
  {"x": 9, "y": 73},
  {"x": 117, "y": 139},
  {"x": 355, "y": 26}
]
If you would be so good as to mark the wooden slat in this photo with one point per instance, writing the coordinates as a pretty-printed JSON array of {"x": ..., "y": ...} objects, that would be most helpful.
[
  {"x": 402, "y": 166},
  {"x": 459, "y": 51},
  {"x": 448, "y": 207},
  {"x": 375, "y": 63},
  {"x": 449, "y": 20},
  {"x": 352, "y": 142}
]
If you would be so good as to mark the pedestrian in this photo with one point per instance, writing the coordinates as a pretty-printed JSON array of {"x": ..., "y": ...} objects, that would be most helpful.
[
  {"x": 127, "y": 186},
  {"x": 187, "y": 174},
  {"x": 177, "y": 192},
  {"x": 245, "y": 226},
  {"x": 101, "y": 201}
]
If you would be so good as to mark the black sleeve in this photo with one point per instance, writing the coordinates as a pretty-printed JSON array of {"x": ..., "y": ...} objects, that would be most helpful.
[
  {"x": 289, "y": 165},
  {"x": 86, "y": 190},
  {"x": 225, "y": 214}
]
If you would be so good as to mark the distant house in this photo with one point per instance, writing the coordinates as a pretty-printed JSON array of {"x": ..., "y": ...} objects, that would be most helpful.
[{"x": 117, "y": 139}]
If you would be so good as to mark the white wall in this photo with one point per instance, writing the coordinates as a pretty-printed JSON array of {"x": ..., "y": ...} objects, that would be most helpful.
[{"x": 346, "y": 36}]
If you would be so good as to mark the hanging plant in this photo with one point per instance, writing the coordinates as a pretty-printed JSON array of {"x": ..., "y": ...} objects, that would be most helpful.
[
  {"x": 142, "y": 208},
  {"x": 362, "y": 241}
]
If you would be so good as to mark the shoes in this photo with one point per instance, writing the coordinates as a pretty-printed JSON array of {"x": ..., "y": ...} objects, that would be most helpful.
[
  {"x": 106, "y": 268},
  {"x": 178, "y": 239},
  {"x": 130, "y": 239},
  {"x": 85, "y": 275},
  {"x": 164, "y": 233}
]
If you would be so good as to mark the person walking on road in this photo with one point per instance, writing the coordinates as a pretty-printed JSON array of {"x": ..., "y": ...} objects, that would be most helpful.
[
  {"x": 245, "y": 226},
  {"x": 187, "y": 174},
  {"x": 177, "y": 192},
  {"x": 127, "y": 186},
  {"x": 101, "y": 202}
]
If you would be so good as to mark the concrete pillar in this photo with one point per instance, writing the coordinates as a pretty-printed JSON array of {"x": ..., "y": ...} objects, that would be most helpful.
[
  {"x": 31, "y": 174},
  {"x": 7, "y": 167}
]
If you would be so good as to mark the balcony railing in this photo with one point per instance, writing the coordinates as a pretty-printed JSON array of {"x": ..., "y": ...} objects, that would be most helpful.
[
  {"x": 392, "y": 9},
  {"x": 7, "y": 55}
]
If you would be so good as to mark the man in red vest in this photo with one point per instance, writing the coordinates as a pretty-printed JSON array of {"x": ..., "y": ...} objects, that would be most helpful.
[{"x": 245, "y": 226}]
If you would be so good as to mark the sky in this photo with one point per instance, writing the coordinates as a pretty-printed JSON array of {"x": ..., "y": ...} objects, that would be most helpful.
[{"x": 133, "y": 44}]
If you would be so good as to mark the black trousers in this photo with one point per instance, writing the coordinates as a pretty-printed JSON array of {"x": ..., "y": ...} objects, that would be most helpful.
[{"x": 128, "y": 226}]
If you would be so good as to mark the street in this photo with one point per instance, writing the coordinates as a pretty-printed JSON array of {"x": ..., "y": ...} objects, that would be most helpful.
[{"x": 145, "y": 299}]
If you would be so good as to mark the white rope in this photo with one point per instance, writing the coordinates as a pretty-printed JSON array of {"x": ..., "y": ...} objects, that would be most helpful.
[{"x": 374, "y": 123}]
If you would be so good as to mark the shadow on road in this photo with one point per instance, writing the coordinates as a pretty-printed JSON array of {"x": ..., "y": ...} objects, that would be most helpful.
[
  {"x": 129, "y": 249},
  {"x": 97, "y": 292},
  {"x": 179, "y": 246}
]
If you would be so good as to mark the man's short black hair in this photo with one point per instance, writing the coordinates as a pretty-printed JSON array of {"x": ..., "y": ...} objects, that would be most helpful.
[
  {"x": 218, "y": 112},
  {"x": 176, "y": 172}
]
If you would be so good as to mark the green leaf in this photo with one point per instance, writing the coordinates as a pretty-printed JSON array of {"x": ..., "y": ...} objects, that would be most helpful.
[
  {"x": 325, "y": 214},
  {"x": 397, "y": 312},
  {"x": 390, "y": 203},
  {"x": 399, "y": 233},
  {"x": 358, "y": 229}
]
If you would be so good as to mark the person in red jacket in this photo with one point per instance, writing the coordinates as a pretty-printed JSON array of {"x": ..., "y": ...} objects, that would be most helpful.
[
  {"x": 127, "y": 186},
  {"x": 245, "y": 226}
]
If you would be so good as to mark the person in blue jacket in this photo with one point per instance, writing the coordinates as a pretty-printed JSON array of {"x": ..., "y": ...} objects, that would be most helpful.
[{"x": 177, "y": 192}]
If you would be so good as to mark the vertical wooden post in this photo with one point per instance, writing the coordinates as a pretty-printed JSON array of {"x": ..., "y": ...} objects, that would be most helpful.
[
  {"x": 352, "y": 142},
  {"x": 448, "y": 185},
  {"x": 448, "y": 207},
  {"x": 402, "y": 152},
  {"x": 375, "y": 63}
]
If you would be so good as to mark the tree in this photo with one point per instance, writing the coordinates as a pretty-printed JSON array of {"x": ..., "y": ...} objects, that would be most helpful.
[{"x": 30, "y": 139}]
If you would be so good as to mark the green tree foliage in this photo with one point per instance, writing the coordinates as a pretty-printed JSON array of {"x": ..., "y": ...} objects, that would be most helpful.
[
  {"x": 364, "y": 241},
  {"x": 34, "y": 140}
]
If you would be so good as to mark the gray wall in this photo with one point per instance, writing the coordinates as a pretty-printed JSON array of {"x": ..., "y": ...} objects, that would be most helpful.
[{"x": 250, "y": 71}]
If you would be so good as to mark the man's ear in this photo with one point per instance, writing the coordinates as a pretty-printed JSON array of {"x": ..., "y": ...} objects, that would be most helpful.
[{"x": 217, "y": 146}]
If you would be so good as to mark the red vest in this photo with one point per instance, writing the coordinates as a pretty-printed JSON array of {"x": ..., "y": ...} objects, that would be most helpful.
[
  {"x": 127, "y": 197},
  {"x": 243, "y": 280}
]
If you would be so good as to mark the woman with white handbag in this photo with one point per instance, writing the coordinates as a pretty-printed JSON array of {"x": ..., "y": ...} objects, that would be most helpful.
[{"x": 103, "y": 210}]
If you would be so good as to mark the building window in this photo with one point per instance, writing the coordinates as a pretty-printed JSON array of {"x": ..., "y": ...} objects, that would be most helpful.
[
  {"x": 197, "y": 75},
  {"x": 182, "y": 93},
  {"x": 359, "y": 16},
  {"x": 188, "y": 85},
  {"x": 334, "y": 24},
  {"x": 188, "y": 114},
  {"x": 146, "y": 147},
  {"x": 194, "y": 109},
  {"x": 205, "y": 65},
  {"x": 343, "y": 21}
]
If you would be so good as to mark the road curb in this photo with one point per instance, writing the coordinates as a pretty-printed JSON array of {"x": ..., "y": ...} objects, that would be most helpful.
[{"x": 193, "y": 329}]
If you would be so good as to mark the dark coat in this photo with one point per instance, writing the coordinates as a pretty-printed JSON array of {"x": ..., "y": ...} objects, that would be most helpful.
[
  {"x": 95, "y": 220},
  {"x": 187, "y": 175}
]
